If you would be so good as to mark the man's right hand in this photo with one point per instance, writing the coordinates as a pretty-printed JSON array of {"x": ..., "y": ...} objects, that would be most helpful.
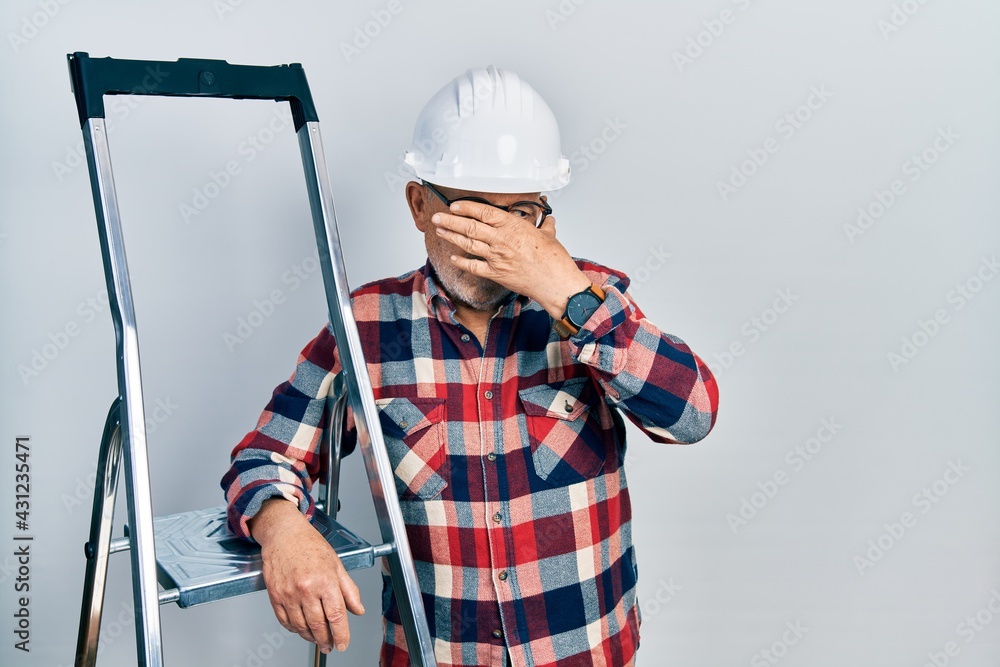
[{"x": 307, "y": 584}]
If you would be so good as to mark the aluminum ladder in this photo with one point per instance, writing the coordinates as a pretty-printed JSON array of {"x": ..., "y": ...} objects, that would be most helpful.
[{"x": 193, "y": 555}]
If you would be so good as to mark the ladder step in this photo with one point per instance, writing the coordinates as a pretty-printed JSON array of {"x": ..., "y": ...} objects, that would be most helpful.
[{"x": 199, "y": 556}]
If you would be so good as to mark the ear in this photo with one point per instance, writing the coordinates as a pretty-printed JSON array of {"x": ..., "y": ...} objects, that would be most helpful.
[{"x": 416, "y": 199}]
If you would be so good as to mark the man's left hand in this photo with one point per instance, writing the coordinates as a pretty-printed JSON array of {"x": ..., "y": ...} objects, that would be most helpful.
[{"x": 511, "y": 251}]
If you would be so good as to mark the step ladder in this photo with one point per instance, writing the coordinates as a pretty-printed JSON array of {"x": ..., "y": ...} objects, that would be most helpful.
[{"x": 193, "y": 555}]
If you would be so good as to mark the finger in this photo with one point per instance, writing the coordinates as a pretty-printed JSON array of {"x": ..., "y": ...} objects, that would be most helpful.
[
  {"x": 316, "y": 622},
  {"x": 476, "y": 267},
  {"x": 297, "y": 623},
  {"x": 548, "y": 226},
  {"x": 335, "y": 615},
  {"x": 282, "y": 616},
  {"x": 474, "y": 246},
  {"x": 487, "y": 214},
  {"x": 352, "y": 596},
  {"x": 466, "y": 226}
]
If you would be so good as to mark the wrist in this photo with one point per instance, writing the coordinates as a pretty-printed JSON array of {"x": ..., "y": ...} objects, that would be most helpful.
[
  {"x": 560, "y": 292},
  {"x": 274, "y": 514}
]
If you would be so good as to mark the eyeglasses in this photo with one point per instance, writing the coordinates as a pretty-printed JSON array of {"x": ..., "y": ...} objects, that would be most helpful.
[{"x": 528, "y": 210}]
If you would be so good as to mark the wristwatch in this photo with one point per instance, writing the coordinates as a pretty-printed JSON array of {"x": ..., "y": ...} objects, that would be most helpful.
[{"x": 578, "y": 310}]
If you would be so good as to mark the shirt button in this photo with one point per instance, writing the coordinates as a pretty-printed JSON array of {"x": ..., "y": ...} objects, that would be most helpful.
[
  {"x": 502, "y": 576},
  {"x": 498, "y": 517},
  {"x": 491, "y": 456},
  {"x": 488, "y": 394},
  {"x": 465, "y": 338},
  {"x": 497, "y": 634}
]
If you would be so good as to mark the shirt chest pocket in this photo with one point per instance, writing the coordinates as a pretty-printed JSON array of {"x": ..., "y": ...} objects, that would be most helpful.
[
  {"x": 414, "y": 434},
  {"x": 567, "y": 446}
]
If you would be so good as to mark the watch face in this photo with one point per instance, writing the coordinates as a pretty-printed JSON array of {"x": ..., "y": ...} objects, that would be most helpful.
[{"x": 581, "y": 307}]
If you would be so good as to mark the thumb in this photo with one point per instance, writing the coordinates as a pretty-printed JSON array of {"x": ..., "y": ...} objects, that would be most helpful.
[{"x": 548, "y": 226}]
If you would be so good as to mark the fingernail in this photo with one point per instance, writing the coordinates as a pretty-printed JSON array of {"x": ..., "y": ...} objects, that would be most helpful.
[
  {"x": 436, "y": 217},
  {"x": 440, "y": 231},
  {"x": 341, "y": 647}
]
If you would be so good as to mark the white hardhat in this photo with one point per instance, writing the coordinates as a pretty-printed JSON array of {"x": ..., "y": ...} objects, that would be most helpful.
[{"x": 488, "y": 130}]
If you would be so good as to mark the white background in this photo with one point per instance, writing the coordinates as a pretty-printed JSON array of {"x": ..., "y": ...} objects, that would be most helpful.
[{"x": 713, "y": 592}]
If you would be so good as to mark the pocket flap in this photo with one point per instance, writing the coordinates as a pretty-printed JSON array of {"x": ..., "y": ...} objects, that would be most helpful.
[
  {"x": 560, "y": 400},
  {"x": 407, "y": 415}
]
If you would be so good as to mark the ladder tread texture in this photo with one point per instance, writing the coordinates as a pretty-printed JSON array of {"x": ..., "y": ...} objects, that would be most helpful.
[{"x": 197, "y": 554}]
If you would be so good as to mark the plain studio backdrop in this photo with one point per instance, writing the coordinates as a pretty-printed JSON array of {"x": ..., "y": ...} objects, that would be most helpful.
[{"x": 805, "y": 192}]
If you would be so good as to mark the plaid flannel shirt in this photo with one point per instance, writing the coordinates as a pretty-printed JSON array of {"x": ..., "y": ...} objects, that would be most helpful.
[{"x": 508, "y": 461}]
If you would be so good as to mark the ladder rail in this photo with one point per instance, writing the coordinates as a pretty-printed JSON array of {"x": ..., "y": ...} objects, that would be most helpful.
[
  {"x": 98, "y": 547},
  {"x": 336, "y": 404},
  {"x": 361, "y": 397},
  {"x": 133, "y": 424}
]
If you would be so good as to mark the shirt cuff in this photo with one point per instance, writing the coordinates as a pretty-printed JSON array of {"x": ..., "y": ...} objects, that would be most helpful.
[
  {"x": 248, "y": 504},
  {"x": 610, "y": 315}
]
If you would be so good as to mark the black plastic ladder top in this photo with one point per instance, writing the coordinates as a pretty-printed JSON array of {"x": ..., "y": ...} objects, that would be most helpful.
[{"x": 93, "y": 78}]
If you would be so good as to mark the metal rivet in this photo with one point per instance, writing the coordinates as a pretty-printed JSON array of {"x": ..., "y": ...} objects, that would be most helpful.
[
  {"x": 491, "y": 456},
  {"x": 498, "y": 634},
  {"x": 465, "y": 338},
  {"x": 208, "y": 78}
]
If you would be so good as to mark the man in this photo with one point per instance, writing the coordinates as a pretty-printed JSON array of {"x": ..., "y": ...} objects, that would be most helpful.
[{"x": 499, "y": 369}]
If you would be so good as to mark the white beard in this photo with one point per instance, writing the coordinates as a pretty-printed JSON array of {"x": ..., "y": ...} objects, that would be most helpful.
[{"x": 473, "y": 291}]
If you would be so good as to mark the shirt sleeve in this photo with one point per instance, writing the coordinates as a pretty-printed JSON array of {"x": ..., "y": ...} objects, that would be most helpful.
[
  {"x": 280, "y": 457},
  {"x": 662, "y": 386}
]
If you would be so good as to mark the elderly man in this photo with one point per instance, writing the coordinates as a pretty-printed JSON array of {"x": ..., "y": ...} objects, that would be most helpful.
[{"x": 499, "y": 369}]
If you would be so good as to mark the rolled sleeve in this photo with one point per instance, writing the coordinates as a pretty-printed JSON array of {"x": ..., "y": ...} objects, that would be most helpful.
[
  {"x": 654, "y": 377},
  {"x": 280, "y": 457}
]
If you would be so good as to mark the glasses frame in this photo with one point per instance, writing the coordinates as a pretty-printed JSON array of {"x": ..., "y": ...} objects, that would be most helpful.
[{"x": 546, "y": 209}]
